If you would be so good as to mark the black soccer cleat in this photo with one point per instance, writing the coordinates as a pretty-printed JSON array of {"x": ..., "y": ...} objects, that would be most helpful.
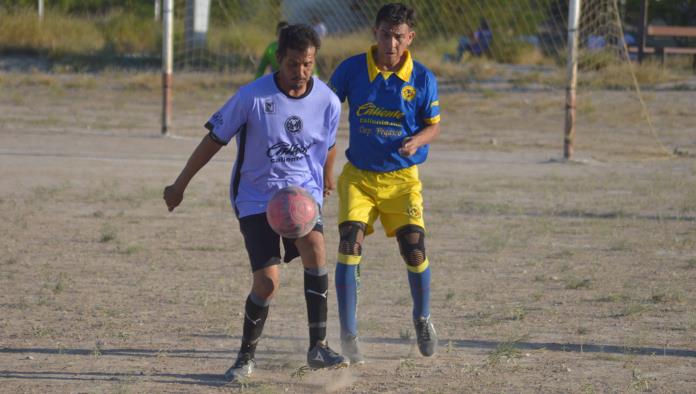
[
  {"x": 426, "y": 336},
  {"x": 242, "y": 368},
  {"x": 322, "y": 356},
  {"x": 351, "y": 350}
]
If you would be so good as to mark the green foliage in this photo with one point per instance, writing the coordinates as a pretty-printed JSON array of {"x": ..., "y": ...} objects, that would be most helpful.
[
  {"x": 139, "y": 7},
  {"x": 64, "y": 34},
  {"x": 59, "y": 33},
  {"x": 463, "y": 16},
  {"x": 128, "y": 33},
  {"x": 263, "y": 14}
]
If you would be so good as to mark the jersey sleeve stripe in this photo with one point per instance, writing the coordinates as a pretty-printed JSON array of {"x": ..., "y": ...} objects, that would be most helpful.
[{"x": 433, "y": 120}]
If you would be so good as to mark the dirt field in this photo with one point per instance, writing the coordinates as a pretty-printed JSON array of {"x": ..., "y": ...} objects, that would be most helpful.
[{"x": 547, "y": 276}]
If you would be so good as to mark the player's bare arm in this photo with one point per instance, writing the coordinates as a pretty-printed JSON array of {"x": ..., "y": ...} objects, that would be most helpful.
[
  {"x": 329, "y": 181},
  {"x": 174, "y": 193},
  {"x": 423, "y": 137}
]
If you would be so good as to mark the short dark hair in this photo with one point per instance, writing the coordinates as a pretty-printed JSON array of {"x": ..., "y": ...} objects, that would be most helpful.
[
  {"x": 396, "y": 14},
  {"x": 297, "y": 37},
  {"x": 280, "y": 26}
]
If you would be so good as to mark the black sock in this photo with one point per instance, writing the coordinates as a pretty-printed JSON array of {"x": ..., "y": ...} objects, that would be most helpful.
[
  {"x": 316, "y": 284},
  {"x": 254, "y": 318}
]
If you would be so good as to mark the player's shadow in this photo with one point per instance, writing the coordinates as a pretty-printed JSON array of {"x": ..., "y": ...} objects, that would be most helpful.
[
  {"x": 215, "y": 380},
  {"x": 522, "y": 345},
  {"x": 552, "y": 346}
]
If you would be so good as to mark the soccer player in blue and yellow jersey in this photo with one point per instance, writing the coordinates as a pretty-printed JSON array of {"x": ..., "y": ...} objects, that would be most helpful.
[{"x": 394, "y": 115}]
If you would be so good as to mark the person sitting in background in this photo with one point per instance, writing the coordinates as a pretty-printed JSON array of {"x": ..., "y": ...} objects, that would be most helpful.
[
  {"x": 319, "y": 27},
  {"x": 596, "y": 42},
  {"x": 478, "y": 43},
  {"x": 269, "y": 54}
]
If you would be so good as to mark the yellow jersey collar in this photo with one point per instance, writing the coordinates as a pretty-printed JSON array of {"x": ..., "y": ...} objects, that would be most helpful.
[{"x": 404, "y": 73}]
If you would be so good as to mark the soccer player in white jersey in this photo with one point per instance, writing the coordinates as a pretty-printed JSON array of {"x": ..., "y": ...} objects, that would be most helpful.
[{"x": 285, "y": 128}]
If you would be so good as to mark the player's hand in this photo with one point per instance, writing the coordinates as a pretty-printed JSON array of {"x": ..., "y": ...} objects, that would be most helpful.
[
  {"x": 408, "y": 147},
  {"x": 172, "y": 197},
  {"x": 329, "y": 185}
]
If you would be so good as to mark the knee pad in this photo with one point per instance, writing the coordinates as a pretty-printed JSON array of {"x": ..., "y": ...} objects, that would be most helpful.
[
  {"x": 411, "y": 240},
  {"x": 348, "y": 244}
]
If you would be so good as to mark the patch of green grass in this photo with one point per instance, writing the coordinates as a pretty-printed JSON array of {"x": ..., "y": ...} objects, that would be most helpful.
[
  {"x": 108, "y": 233},
  {"x": 578, "y": 283},
  {"x": 489, "y": 93},
  {"x": 405, "y": 364},
  {"x": 639, "y": 382},
  {"x": 629, "y": 310},
  {"x": 587, "y": 388},
  {"x": 483, "y": 319},
  {"x": 97, "y": 349},
  {"x": 450, "y": 295},
  {"x": 620, "y": 246},
  {"x": 450, "y": 347},
  {"x": 613, "y": 298},
  {"x": 405, "y": 333},
  {"x": 300, "y": 372},
  {"x": 42, "y": 332},
  {"x": 518, "y": 313},
  {"x": 691, "y": 264},
  {"x": 122, "y": 335},
  {"x": 60, "y": 283},
  {"x": 663, "y": 296},
  {"x": 504, "y": 352},
  {"x": 130, "y": 249},
  {"x": 540, "y": 278}
]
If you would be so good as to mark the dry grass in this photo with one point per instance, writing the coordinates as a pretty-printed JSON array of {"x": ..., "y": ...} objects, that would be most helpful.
[
  {"x": 533, "y": 262},
  {"x": 58, "y": 34}
]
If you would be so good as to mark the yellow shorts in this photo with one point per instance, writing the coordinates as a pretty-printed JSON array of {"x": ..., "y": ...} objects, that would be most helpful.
[{"x": 395, "y": 197}]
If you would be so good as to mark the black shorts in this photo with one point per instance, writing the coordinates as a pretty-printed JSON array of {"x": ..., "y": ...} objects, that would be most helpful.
[{"x": 263, "y": 244}]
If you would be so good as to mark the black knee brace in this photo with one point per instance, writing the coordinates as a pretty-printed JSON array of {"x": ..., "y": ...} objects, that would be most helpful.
[
  {"x": 411, "y": 240},
  {"x": 348, "y": 244}
]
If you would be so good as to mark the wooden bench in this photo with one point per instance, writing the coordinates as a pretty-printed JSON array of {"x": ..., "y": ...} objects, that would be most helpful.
[{"x": 669, "y": 31}]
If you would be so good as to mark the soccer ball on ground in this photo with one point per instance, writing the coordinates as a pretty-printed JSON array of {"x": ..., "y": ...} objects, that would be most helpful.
[{"x": 292, "y": 212}]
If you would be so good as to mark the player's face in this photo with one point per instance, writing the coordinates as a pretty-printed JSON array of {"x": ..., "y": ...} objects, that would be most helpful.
[
  {"x": 392, "y": 42},
  {"x": 296, "y": 68}
]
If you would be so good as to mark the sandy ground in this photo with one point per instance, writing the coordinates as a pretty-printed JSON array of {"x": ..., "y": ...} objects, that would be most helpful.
[{"x": 547, "y": 276}]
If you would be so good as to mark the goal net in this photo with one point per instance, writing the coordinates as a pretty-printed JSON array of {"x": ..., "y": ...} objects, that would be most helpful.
[{"x": 508, "y": 46}]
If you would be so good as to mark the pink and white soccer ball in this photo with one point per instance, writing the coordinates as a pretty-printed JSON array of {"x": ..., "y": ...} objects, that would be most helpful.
[{"x": 292, "y": 212}]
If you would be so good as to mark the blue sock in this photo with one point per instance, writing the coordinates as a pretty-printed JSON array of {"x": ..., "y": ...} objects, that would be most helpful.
[
  {"x": 347, "y": 285},
  {"x": 420, "y": 292}
]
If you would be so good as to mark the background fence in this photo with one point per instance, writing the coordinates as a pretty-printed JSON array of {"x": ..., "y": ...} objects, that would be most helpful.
[{"x": 522, "y": 43}]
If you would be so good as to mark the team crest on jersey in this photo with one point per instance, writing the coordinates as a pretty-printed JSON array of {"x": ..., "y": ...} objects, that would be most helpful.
[
  {"x": 293, "y": 124},
  {"x": 408, "y": 92},
  {"x": 269, "y": 107},
  {"x": 414, "y": 211}
]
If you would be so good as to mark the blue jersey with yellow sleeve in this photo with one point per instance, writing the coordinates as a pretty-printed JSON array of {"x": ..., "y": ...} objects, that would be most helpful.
[{"x": 385, "y": 108}]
